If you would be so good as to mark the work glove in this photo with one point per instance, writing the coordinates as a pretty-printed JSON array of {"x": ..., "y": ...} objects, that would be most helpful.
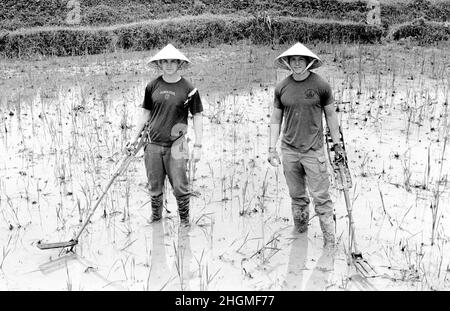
[
  {"x": 339, "y": 154},
  {"x": 273, "y": 157},
  {"x": 130, "y": 146},
  {"x": 197, "y": 152}
]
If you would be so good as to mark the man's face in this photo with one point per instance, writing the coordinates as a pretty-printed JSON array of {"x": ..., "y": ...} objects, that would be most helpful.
[
  {"x": 169, "y": 66},
  {"x": 298, "y": 63}
]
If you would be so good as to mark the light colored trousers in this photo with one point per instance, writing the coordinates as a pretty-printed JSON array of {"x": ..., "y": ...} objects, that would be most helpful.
[{"x": 308, "y": 171}]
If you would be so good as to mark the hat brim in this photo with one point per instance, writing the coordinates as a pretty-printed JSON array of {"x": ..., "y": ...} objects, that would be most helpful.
[
  {"x": 297, "y": 49},
  {"x": 154, "y": 63},
  {"x": 280, "y": 64},
  {"x": 169, "y": 52}
]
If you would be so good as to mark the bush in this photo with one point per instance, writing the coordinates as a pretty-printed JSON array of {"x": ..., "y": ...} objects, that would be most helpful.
[
  {"x": 10, "y": 24},
  {"x": 110, "y": 12},
  {"x": 101, "y": 15},
  {"x": 32, "y": 13},
  {"x": 289, "y": 29},
  {"x": 199, "y": 7},
  {"x": 56, "y": 41},
  {"x": 183, "y": 31},
  {"x": 397, "y": 13},
  {"x": 422, "y": 31}
]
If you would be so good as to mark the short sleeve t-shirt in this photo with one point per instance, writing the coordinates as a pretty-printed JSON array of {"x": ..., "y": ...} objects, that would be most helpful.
[
  {"x": 167, "y": 112},
  {"x": 302, "y": 103}
]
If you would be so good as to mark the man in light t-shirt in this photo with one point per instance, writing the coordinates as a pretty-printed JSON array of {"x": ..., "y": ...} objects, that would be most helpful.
[{"x": 300, "y": 99}]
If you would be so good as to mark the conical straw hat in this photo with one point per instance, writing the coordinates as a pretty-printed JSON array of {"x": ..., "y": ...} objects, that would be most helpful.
[
  {"x": 169, "y": 52},
  {"x": 297, "y": 49}
]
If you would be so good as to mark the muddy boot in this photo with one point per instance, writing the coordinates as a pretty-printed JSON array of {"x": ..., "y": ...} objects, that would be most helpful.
[
  {"x": 301, "y": 217},
  {"x": 327, "y": 226},
  {"x": 183, "y": 210},
  {"x": 157, "y": 204}
]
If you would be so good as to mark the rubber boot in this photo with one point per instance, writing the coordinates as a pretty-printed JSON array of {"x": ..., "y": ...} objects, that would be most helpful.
[
  {"x": 301, "y": 218},
  {"x": 157, "y": 204},
  {"x": 183, "y": 210},
  {"x": 327, "y": 226}
]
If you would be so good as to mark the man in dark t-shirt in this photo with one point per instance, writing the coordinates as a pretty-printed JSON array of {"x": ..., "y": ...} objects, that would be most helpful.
[
  {"x": 300, "y": 99},
  {"x": 165, "y": 101},
  {"x": 166, "y": 110}
]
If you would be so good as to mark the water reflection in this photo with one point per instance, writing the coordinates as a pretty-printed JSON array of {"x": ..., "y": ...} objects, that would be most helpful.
[
  {"x": 297, "y": 262},
  {"x": 160, "y": 273},
  {"x": 318, "y": 280},
  {"x": 183, "y": 258},
  {"x": 177, "y": 275}
]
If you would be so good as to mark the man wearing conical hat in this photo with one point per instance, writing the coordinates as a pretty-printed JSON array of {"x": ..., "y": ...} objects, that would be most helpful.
[
  {"x": 300, "y": 99},
  {"x": 167, "y": 101}
]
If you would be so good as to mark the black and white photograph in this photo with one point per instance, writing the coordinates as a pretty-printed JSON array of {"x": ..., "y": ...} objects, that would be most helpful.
[{"x": 214, "y": 146}]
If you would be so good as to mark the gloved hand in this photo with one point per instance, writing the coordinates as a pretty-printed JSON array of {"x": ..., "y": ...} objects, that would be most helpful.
[
  {"x": 339, "y": 154},
  {"x": 273, "y": 157},
  {"x": 130, "y": 146},
  {"x": 197, "y": 152}
]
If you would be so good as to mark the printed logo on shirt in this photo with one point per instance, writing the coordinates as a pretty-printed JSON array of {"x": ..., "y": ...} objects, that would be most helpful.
[
  {"x": 310, "y": 93},
  {"x": 167, "y": 94}
]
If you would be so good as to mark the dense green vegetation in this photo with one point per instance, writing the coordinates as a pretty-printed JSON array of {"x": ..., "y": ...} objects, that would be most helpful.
[
  {"x": 208, "y": 29},
  {"x": 16, "y": 14},
  {"x": 106, "y": 25}
]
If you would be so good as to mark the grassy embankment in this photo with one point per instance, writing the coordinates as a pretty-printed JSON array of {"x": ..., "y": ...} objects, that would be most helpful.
[
  {"x": 27, "y": 14},
  {"x": 34, "y": 28}
]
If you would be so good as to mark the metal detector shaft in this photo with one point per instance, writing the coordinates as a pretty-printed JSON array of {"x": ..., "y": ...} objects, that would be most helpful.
[
  {"x": 348, "y": 204},
  {"x": 73, "y": 242},
  {"x": 126, "y": 161},
  {"x": 343, "y": 182},
  {"x": 131, "y": 153},
  {"x": 360, "y": 263}
]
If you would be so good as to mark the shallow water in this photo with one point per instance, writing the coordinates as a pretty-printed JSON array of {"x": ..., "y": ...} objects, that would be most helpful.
[{"x": 60, "y": 146}]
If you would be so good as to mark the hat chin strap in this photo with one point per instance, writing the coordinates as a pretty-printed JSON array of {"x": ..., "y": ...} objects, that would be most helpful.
[
  {"x": 309, "y": 65},
  {"x": 304, "y": 70},
  {"x": 180, "y": 64},
  {"x": 287, "y": 65}
]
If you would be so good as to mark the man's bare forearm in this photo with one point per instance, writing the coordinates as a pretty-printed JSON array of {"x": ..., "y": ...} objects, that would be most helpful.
[
  {"x": 274, "y": 134},
  {"x": 198, "y": 128},
  {"x": 333, "y": 123},
  {"x": 275, "y": 125},
  {"x": 142, "y": 119}
]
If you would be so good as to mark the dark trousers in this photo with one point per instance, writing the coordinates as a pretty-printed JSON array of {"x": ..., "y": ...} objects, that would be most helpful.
[{"x": 171, "y": 161}]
